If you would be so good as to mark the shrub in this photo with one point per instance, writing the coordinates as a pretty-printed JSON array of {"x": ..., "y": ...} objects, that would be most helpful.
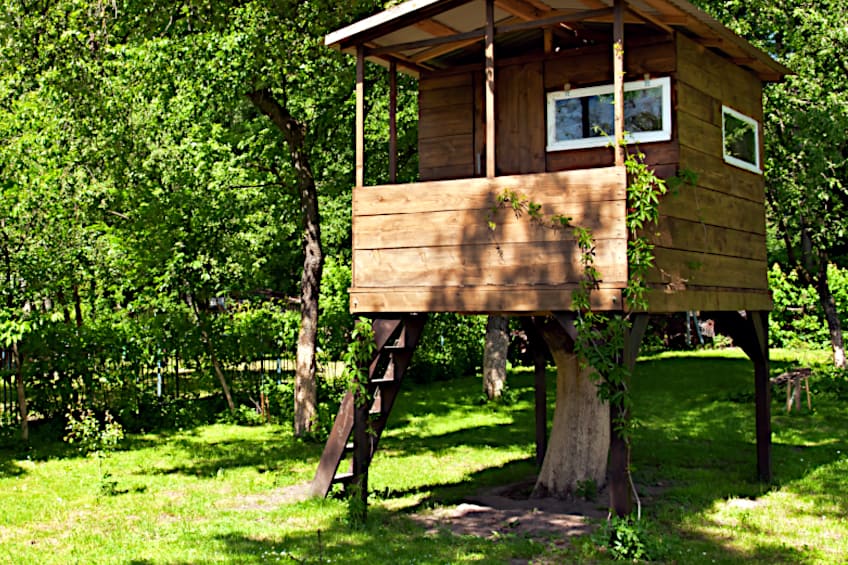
[{"x": 451, "y": 346}]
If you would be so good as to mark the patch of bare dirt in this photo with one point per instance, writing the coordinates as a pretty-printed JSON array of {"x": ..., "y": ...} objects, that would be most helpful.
[
  {"x": 271, "y": 500},
  {"x": 510, "y": 510}
]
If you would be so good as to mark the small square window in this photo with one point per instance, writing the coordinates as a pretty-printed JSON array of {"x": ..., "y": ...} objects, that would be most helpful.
[
  {"x": 740, "y": 140},
  {"x": 583, "y": 117}
]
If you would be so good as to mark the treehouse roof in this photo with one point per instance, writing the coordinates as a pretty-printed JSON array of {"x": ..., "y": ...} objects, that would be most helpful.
[{"x": 428, "y": 35}]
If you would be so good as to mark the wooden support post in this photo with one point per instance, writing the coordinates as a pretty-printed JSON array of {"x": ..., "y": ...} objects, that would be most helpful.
[
  {"x": 490, "y": 89},
  {"x": 548, "y": 40},
  {"x": 619, "y": 482},
  {"x": 361, "y": 440},
  {"x": 618, "y": 79},
  {"x": 393, "y": 157},
  {"x": 540, "y": 361},
  {"x": 750, "y": 333},
  {"x": 762, "y": 394},
  {"x": 360, "y": 116}
]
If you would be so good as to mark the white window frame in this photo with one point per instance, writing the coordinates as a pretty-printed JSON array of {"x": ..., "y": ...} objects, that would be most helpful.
[
  {"x": 735, "y": 161},
  {"x": 601, "y": 141}
]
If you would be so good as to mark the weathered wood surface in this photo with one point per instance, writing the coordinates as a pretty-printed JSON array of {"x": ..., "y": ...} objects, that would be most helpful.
[
  {"x": 437, "y": 233},
  {"x": 520, "y": 120},
  {"x": 481, "y": 299},
  {"x": 452, "y": 120},
  {"x": 564, "y": 188},
  {"x": 446, "y": 108},
  {"x": 710, "y": 239},
  {"x": 663, "y": 299},
  {"x": 428, "y": 246}
]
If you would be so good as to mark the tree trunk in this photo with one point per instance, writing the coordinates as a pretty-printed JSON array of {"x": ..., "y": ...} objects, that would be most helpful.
[
  {"x": 210, "y": 348},
  {"x": 19, "y": 384},
  {"x": 580, "y": 435},
  {"x": 831, "y": 315},
  {"x": 494, "y": 356},
  {"x": 306, "y": 390}
]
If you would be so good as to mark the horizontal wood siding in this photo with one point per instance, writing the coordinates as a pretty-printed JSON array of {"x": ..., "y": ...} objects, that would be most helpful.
[
  {"x": 710, "y": 239},
  {"x": 428, "y": 244},
  {"x": 593, "y": 66},
  {"x": 446, "y": 127},
  {"x": 520, "y": 115}
]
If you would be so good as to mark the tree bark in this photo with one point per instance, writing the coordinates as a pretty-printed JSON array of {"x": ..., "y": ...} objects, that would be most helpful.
[
  {"x": 210, "y": 348},
  {"x": 831, "y": 315},
  {"x": 19, "y": 384},
  {"x": 306, "y": 390},
  {"x": 580, "y": 435},
  {"x": 494, "y": 356}
]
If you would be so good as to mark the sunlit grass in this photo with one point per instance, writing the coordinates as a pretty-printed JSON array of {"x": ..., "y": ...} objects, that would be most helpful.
[{"x": 218, "y": 494}]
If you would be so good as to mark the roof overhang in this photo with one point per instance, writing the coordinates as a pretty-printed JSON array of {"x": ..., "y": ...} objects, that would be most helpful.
[{"x": 416, "y": 33}]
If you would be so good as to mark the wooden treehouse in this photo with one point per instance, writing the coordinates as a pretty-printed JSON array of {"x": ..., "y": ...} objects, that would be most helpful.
[{"x": 531, "y": 96}]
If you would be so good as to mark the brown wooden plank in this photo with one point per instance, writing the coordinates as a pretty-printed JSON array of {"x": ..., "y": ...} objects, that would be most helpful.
[
  {"x": 393, "y": 156},
  {"x": 714, "y": 208},
  {"x": 594, "y": 65},
  {"x": 618, "y": 81},
  {"x": 452, "y": 172},
  {"x": 520, "y": 123},
  {"x": 715, "y": 174},
  {"x": 477, "y": 299},
  {"x": 718, "y": 77},
  {"x": 459, "y": 96},
  {"x": 687, "y": 235},
  {"x": 698, "y": 134},
  {"x": 334, "y": 448},
  {"x": 570, "y": 186},
  {"x": 360, "y": 116},
  {"x": 659, "y": 153},
  {"x": 476, "y": 265},
  {"x": 489, "y": 88},
  {"x": 698, "y": 104},
  {"x": 447, "y": 151},
  {"x": 440, "y": 81},
  {"x": 470, "y": 227},
  {"x": 678, "y": 269},
  {"x": 446, "y": 121},
  {"x": 695, "y": 298}
]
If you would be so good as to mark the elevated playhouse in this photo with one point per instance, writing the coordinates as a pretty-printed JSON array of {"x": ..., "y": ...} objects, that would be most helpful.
[{"x": 530, "y": 96}]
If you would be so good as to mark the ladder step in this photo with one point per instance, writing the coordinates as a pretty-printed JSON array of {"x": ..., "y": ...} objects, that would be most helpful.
[
  {"x": 381, "y": 382},
  {"x": 395, "y": 348},
  {"x": 343, "y": 478}
]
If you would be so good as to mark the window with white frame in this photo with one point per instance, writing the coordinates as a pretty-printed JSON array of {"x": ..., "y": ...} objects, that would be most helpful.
[
  {"x": 740, "y": 138},
  {"x": 584, "y": 117}
]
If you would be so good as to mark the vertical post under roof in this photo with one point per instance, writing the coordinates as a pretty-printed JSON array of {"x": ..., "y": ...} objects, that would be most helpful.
[
  {"x": 360, "y": 116},
  {"x": 618, "y": 78},
  {"x": 490, "y": 89},
  {"x": 393, "y": 157}
]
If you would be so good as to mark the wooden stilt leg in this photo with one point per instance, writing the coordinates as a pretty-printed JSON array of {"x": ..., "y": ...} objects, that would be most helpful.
[
  {"x": 751, "y": 334},
  {"x": 539, "y": 351},
  {"x": 619, "y": 457}
]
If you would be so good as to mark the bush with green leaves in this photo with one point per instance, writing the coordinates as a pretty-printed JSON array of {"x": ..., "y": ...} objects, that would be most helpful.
[
  {"x": 91, "y": 436},
  {"x": 451, "y": 346},
  {"x": 630, "y": 539},
  {"x": 798, "y": 319}
]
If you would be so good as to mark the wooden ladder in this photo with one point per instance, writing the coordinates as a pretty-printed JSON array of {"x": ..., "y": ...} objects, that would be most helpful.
[{"x": 357, "y": 430}]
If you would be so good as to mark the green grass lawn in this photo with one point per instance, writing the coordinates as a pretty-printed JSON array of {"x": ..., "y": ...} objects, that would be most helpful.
[{"x": 216, "y": 494}]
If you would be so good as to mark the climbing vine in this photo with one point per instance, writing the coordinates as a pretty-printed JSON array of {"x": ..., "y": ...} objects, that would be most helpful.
[
  {"x": 360, "y": 351},
  {"x": 600, "y": 336}
]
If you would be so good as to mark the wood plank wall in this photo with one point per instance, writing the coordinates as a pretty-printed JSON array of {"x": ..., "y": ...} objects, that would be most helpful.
[
  {"x": 711, "y": 238},
  {"x": 432, "y": 249},
  {"x": 450, "y": 112}
]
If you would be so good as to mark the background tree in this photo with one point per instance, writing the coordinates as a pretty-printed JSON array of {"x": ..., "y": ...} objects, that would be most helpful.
[
  {"x": 494, "y": 356},
  {"x": 806, "y": 136}
]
